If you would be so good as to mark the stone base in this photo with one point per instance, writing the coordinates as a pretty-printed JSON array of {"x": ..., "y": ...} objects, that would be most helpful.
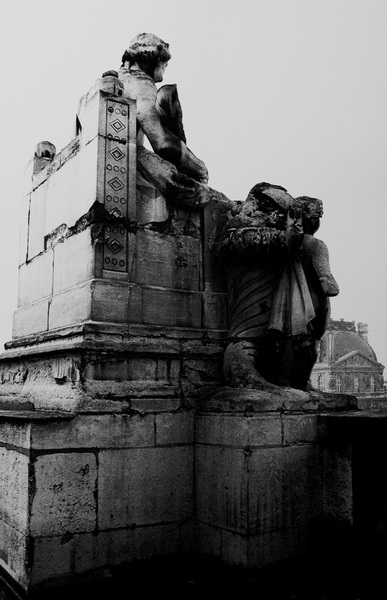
[
  {"x": 84, "y": 493},
  {"x": 239, "y": 475}
]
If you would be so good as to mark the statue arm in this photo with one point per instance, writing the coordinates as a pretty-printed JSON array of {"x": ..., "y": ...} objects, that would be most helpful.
[{"x": 165, "y": 143}]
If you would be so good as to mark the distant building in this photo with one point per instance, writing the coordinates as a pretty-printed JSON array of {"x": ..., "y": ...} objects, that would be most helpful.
[{"x": 346, "y": 363}]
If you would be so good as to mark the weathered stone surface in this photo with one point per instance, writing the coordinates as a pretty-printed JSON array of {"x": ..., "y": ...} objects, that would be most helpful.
[
  {"x": 144, "y": 486},
  {"x": 71, "y": 306},
  {"x": 338, "y": 482},
  {"x": 208, "y": 539},
  {"x": 111, "y": 548},
  {"x": 155, "y": 405},
  {"x": 52, "y": 558},
  {"x": 35, "y": 279},
  {"x": 95, "y": 431},
  {"x": 24, "y": 224},
  {"x": 71, "y": 181},
  {"x": 15, "y": 434},
  {"x": 64, "y": 499},
  {"x": 14, "y": 492},
  {"x": 300, "y": 429},
  {"x": 168, "y": 261},
  {"x": 240, "y": 431},
  {"x": 31, "y": 319},
  {"x": 221, "y": 487},
  {"x": 176, "y": 428},
  {"x": 13, "y": 553},
  {"x": 284, "y": 487},
  {"x": 36, "y": 222},
  {"x": 178, "y": 308},
  {"x": 69, "y": 270},
  {"x": 110, "y": 301},
  {"x": 215, "y": 311},
  {"x": 235, "y": 548},
  {"x": 269, "y": 548}
]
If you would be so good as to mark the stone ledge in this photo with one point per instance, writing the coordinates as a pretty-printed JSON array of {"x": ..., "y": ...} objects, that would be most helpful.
[{"x": 237, "y": 400}]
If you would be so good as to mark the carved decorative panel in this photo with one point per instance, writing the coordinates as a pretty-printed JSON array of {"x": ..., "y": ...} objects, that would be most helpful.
[{"x": 116, "y": 185}]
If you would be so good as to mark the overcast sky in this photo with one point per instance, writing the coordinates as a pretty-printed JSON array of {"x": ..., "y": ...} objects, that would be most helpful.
[{"x": 292, "y": 92}]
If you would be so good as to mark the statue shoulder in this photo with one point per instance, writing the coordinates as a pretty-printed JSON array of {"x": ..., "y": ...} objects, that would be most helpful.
[{"x": 137, "y": 85}]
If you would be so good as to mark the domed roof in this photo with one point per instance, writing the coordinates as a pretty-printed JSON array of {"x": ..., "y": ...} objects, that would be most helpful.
[
  {"x": 345, "y": 339},
  {"x": 348, "y": 341}
]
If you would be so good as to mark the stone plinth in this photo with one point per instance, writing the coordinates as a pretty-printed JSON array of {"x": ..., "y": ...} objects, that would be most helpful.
[
  {"x": 120, "y": 326},
  {"x": 262, "y": 476},
  {"x": 117, "y": 441},
  {"x": 84, "y": 493}
]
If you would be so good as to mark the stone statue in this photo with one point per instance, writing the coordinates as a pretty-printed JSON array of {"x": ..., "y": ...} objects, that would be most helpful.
[
  {"x": 279, "y": 283},
  {"x": 171, "y": 167}
]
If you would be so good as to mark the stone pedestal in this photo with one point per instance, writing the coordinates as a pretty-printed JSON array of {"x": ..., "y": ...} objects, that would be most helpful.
[
  {"x": 117, "y": 440},
  {"x": 120, "y": 326},
  {"x": 264, "y": 476}
]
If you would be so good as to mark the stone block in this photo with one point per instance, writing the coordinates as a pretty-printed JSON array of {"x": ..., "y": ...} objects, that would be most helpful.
[
  {"x": 52, "y": 558},
  {"x": 215, "y": 310},
  {"x": 136, "y": 368},
  {"x": 285, "y": 487},
  {"x": 265, "y": 430},
  {"x": 222, "y": 487},
  {"x": 24, "y": 225},
  {"x": 71, "y": 306},
  {"x": 76, "y": 180},
  {"x": 35, "y": 279},
  {"x": 208, "y": 539},
  {"x": 144, "y": 486},
  {"x": 37, "y": 220},
  {"x": 199, "y": 373},
  {"x": 74, "y": 261},
  {"x": 299, "y": 429},
  {"x": 155, "y": 405},
  {"x": 31, "y": 319},
  {"x": 14, "y": 553},
  {"x": 14, "y": 489},
  {"x": 213, "y": 214},
  {"x": 172, "y": 307},
  {"x": 275, "y": 546},
  {"x": 337, "y": 482},
  {"x": 110, "y": 301},
  {"x": 234, "y": 430},
  {"x": 235, "y": 548},
  {"x": 174, "y": 428},
  {"x": 187, "y": 536},
  {"x": 15, "y": 433},
  {"x": 115, "y": 547},
  {"x": 168, "y": 261},
  {"x": 135, "y": 304},
  {"x": 95, "y": 431},
  {"x": 151, "y": 205},
  {"x": 64, "y": 499}
]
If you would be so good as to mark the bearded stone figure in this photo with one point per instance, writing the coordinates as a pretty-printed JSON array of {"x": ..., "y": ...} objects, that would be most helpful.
[{"x": 279, "y": 284}]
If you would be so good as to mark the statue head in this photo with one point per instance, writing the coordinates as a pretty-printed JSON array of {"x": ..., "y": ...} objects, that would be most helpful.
[
  {"x": 312, "y": 211},
  {"x": 150, "y": 53}
]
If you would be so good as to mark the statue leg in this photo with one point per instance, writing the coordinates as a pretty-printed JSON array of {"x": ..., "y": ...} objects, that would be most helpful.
[
  {"x": 305, "y": 356},
  {"x": 240, "y": 365}
]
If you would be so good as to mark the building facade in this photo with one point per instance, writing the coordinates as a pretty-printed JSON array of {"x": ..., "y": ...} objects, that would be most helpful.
[{"x": 346, "y": 363}]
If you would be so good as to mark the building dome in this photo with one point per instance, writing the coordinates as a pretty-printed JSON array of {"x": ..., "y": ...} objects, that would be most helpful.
[
  {"x": 343, "y": 339},
  {"x": 346, "y": 362},
  {"x": 344, "y": 342}
]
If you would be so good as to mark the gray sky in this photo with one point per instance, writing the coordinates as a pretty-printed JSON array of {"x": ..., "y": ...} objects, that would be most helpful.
[{"x": 292, "y": 92}]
